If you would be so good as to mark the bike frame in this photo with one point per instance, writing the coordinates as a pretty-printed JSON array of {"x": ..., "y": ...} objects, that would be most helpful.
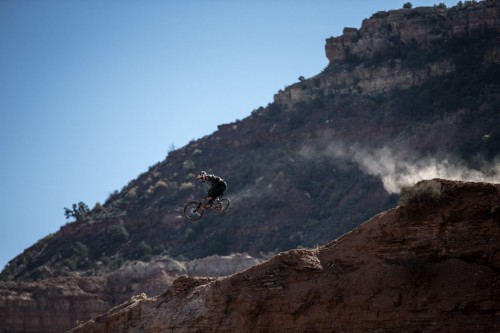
[{"x": 194, "y": 210}]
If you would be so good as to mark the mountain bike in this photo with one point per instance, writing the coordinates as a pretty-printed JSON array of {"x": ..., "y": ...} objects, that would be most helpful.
[{"x": 194, "y": 210}]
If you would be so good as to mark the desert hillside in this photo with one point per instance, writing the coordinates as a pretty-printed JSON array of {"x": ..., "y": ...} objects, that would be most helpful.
[
  {"x": 432, "y": 264},
  {"x": 411, "y": 94}
]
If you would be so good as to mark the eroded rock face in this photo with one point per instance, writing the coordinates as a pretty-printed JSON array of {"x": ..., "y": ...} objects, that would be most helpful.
[
  {"x": 424, "y": 27},
  {"x": 358, "y": 68},
  {"x": 427, "y": 265},
  {"x": 398, "y": 49},
  {"x": 51, "y": 305},
  {"x": 58, "y": 304}
]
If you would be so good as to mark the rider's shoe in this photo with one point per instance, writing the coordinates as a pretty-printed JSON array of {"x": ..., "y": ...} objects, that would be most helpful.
[{"x": 208, "y": 204}]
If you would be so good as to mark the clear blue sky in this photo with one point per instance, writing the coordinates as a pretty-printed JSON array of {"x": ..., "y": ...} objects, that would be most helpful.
[{"x": 92, "y": 93}]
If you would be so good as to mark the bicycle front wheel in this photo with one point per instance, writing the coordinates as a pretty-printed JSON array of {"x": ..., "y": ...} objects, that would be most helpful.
[
  {"x": 193, "y": 210},
  {"x": 221, "y": 206}
]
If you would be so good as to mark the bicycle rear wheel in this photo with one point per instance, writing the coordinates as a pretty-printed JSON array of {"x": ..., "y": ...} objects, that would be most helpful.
[
  {"x": 221, "y": 206},
  {"x": 193, "y": 210}
]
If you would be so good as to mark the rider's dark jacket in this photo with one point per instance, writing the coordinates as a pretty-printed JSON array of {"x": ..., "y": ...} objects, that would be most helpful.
[{"x": 218, "y": 186}]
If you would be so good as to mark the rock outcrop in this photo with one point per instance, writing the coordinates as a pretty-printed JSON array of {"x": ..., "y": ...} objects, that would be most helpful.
[
  {"x": 432, "y": 264},
  {"x": 424, "y": 27},
  {"x": 398, "y": 49},
  {"x": 409, "y": 92},
  {"x": 58, "y": 304}
]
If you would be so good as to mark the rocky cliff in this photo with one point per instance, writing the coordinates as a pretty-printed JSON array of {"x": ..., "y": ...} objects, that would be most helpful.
[
  {"x": 57, "y": 304},
  {"x": 398, "y": 49},
  {"x": 431, "y": 264},
  {"x": 412, "y": 94}
]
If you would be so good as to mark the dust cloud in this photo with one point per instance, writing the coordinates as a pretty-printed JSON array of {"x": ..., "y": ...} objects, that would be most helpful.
[{"x": 397, "y": 169}]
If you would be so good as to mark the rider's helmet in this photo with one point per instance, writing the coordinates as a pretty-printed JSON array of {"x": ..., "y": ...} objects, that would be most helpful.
[{"x": 202, "y": 176}]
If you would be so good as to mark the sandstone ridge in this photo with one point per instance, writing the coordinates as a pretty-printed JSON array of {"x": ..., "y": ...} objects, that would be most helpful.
[
  {"x": 57, "y": 304},
  {"x": 430, "y": 266},
  {"x": 398, "y": 49}
]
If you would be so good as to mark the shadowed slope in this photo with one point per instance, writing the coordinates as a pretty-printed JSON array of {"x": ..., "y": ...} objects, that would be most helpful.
[{"x": 425, "y": 265}]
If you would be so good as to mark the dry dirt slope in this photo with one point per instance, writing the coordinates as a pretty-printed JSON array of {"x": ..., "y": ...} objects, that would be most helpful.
[{"x": 428, "y": 265}]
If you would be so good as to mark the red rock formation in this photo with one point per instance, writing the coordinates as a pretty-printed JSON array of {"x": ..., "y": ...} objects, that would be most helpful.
[
  {"x": 431, "y": 264},
  {"x": 352, "y": 101},
  {"x": 380, "y": 41},
  {"x": 58, "y": 304},
  {"x": 423, "y": 25}
]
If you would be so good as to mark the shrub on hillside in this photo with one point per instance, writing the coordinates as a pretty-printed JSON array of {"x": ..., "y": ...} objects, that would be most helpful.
[
  {"x": 188, "y": 165},
  {"x": 98, "y": 208},
  {"x": 118, "y": 233},
  {"x": 79, "y": 211},
  {"x": 143, "y": 251},
  {"x": 424, "y": 193}
]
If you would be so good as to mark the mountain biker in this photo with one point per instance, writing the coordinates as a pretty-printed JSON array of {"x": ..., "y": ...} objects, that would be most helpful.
[{"x": 218, "y": 186}]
